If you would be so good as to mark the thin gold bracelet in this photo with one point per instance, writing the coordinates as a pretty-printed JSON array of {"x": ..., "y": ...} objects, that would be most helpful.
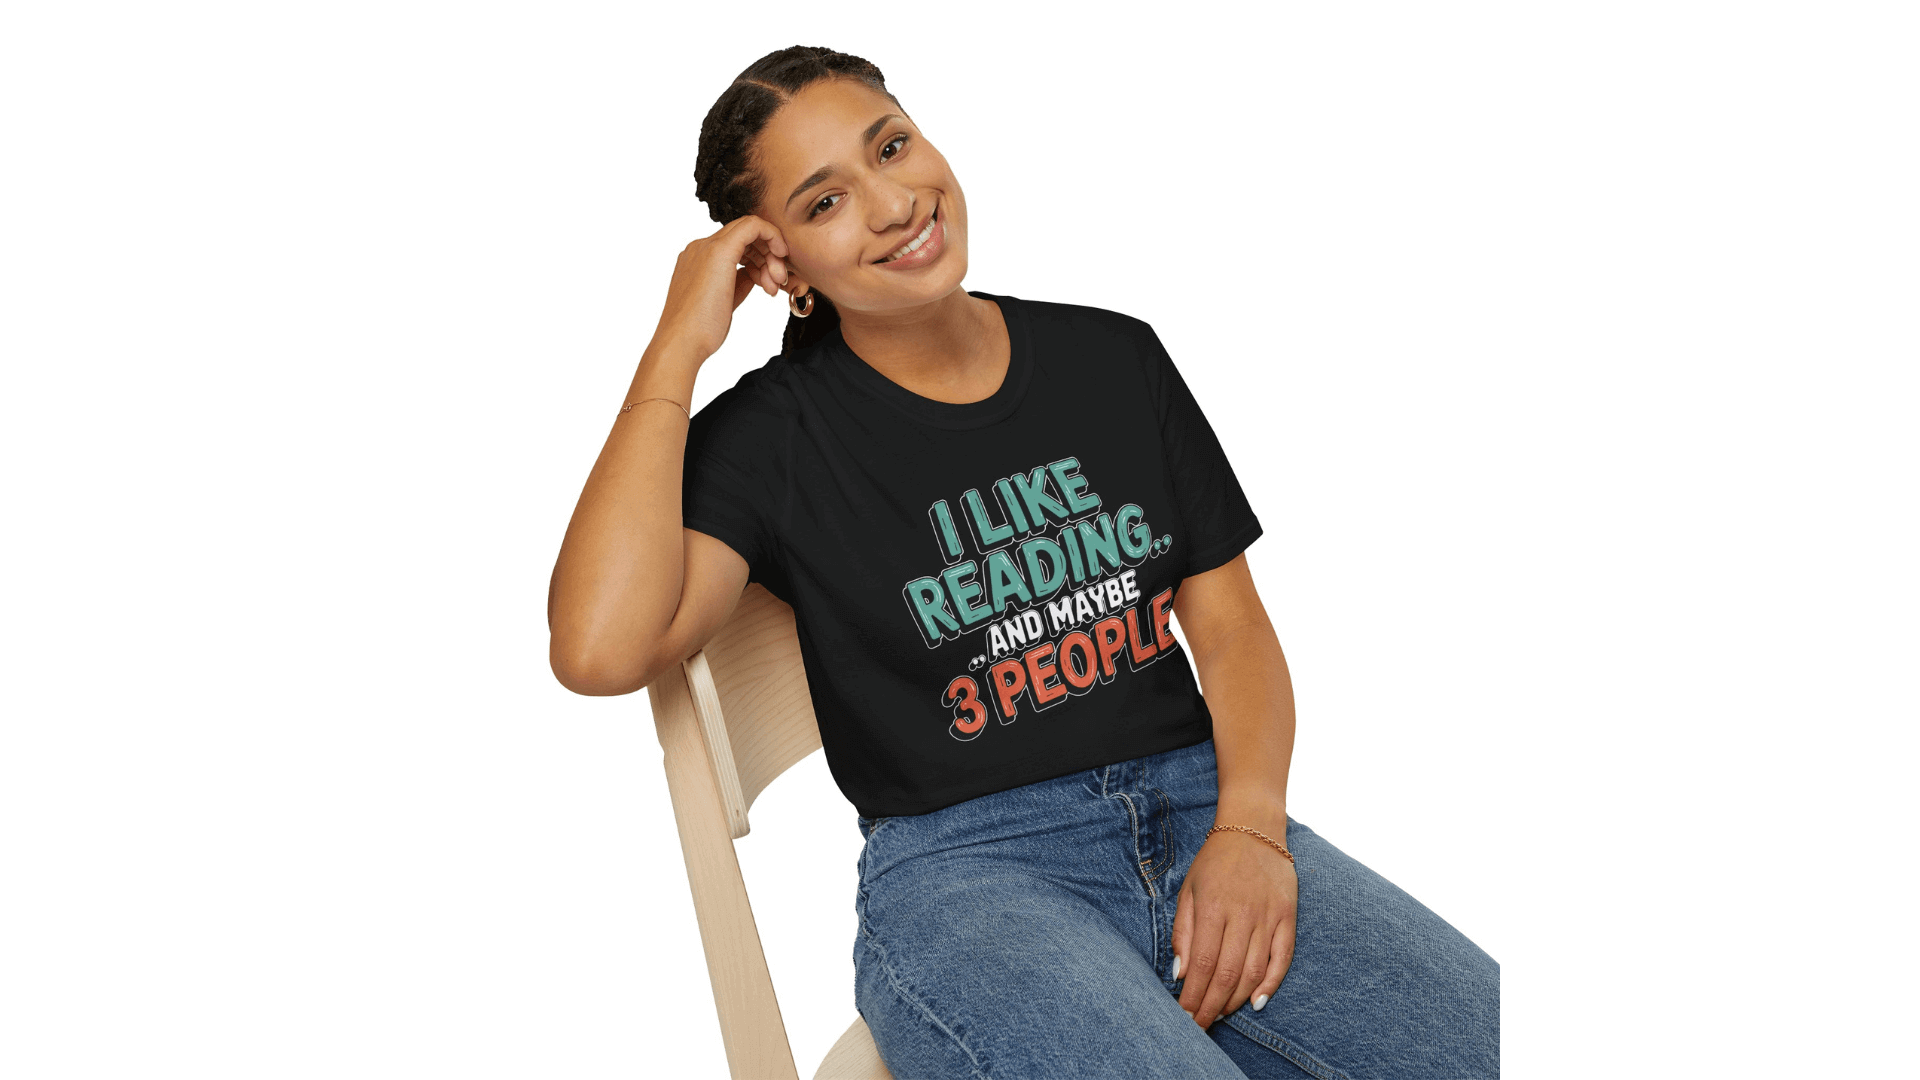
[
  {"x": 629, "y": 405},
  {"x": 1271, "y": 842}
]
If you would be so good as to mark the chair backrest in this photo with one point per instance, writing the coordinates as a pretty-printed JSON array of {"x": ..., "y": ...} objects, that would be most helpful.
[
  {"x": 736, "y": 716},
  {"x": 750, "y": 691}
]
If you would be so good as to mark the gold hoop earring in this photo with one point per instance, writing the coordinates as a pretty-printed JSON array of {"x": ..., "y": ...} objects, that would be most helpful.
[{"x": 800, "y": 313}]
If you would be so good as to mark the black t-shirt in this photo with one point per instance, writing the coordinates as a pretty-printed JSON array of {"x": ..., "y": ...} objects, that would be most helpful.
[{"x": 983, "y": 591}]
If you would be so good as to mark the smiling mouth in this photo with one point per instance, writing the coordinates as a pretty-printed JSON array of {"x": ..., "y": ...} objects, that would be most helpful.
[{"x": 914, "y": 244}]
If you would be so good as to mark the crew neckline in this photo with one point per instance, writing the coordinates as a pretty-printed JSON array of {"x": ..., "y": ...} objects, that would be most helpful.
[{"x": 951, "y": 414}]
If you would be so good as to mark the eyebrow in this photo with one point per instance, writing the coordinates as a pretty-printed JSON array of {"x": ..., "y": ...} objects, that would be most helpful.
[{"x": 826, "y": 171}]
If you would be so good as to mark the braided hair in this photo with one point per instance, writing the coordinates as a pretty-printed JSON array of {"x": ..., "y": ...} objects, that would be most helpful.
[{"x": 723, "y": 175}]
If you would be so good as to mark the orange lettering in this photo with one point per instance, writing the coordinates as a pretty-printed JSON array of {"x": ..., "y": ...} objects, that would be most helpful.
[
  {"x": 1162, "y": 611},
  {"x": 1142, "y": 651},
  {"x": 1081, "y": 643},
  {"x": 1009, "y": 678},
  {"x": 1040, "y": 665},
  {"x": 1112, "y": 635},
  {"x": 964, "y": 695}
]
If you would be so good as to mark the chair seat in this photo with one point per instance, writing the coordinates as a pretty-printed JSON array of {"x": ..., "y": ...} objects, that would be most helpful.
[{"x": 853, "y": 1057}]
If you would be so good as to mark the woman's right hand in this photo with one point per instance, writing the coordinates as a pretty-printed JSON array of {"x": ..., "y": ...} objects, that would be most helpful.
[{"x": 713, "y": 275}]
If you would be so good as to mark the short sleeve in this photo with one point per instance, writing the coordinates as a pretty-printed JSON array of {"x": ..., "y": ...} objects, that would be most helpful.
[
  {"x": 1220, "y": 522},
  {"x": 733, "y": 484}
]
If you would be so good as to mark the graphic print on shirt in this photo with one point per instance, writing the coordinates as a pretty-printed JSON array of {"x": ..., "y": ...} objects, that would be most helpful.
[{"x": 1048, "y": 605}]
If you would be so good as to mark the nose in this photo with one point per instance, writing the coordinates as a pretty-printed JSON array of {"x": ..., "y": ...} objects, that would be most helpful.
[{"x": 893, "y": 204}]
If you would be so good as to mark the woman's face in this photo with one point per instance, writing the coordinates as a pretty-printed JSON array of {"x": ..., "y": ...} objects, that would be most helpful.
[{"x": 850, "y": 181}]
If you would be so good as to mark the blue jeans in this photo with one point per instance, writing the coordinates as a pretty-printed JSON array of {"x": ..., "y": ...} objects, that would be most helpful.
[{"x": 1028, "y": 934}]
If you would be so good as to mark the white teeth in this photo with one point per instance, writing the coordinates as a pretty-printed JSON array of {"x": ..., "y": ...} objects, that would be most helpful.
[{"x": 913, "y": 245}]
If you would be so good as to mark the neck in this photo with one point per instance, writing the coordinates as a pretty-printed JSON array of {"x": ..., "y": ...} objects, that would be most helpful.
[{"x": 953, "y": 349}]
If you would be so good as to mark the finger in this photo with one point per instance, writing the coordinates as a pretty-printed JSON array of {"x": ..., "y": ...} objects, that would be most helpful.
[
  {"x": 1279, "y": 961},
  {"x": 1259, "y": 944},
  {"x": 767, "y": 247},
  {"x": 758, "y": 252},
  {"x": 758, "y": 273},
  {"x": 1203, "y": 955},
  {"x": 749, "y": 229},
  {"x": 756, "y": 262},
  {"x": 1182, "y": 932},
  {"x": 742, "y": 285},
  {"x": 1229, "y": 968}
]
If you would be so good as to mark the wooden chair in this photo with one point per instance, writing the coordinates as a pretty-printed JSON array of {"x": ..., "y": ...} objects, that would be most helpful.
[{"x": 735, "y": 717}]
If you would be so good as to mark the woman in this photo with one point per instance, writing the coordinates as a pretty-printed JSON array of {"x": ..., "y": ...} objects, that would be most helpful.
[{"x": 985, "y": 511}]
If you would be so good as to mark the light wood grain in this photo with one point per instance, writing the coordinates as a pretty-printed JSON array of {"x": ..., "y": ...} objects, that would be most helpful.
[
  {"x": 853, "y": 1057},
  {"x": 732, "y": 718}
]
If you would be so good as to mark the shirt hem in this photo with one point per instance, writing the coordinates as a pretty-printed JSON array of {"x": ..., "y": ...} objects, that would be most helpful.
[
  {"x": 1199, "y": 730},
  {"x": 727, "y": 535}
]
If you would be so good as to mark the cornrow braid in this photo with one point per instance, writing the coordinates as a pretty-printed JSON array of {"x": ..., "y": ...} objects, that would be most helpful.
[{"x": 723, "y": 174}]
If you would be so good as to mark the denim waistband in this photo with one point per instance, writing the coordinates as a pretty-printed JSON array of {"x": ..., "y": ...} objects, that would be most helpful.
[{"x": 1183, "y": 777}]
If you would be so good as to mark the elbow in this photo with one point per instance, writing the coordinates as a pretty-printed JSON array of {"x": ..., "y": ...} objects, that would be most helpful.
[{"x": 597, "y": 672}]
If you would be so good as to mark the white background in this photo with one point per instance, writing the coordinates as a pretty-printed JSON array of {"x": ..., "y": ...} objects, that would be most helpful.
[{"x": 1566, "y": 353}]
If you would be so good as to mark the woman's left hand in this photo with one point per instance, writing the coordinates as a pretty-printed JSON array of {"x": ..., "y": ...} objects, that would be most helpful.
[{"x": 1233, "y": 927}]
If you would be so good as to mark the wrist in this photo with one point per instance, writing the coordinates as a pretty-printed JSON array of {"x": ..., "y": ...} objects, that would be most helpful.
[
  {"x": 1264, "y": 811},
  {"x": 666, "y": 371}
]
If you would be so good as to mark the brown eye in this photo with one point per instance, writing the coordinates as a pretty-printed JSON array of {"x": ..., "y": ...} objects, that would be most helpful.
[
  {"x": 884, "y": 156},
  {"x": 823, "y": 204}
]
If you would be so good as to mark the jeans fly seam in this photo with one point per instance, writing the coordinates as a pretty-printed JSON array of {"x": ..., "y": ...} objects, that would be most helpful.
[
  {"x": 1286, "y": 1048},
  {"x": 899, "y": 989},
  {"x": 1153, "y": 923},
  {"x": 1165, "y": 861},
  {"x": 1133, "y": 818}
]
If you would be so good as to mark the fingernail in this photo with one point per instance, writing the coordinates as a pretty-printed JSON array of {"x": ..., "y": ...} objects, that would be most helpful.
[
  {"x": 1259, "y": 1002},
  {"x": 1189, "y": 1013},
  {"x": 1176, "y": 967}
]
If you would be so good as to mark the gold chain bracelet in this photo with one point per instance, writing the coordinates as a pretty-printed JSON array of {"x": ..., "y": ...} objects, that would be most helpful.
[
  {"x": 629, "y": 405},
  {"x": 1270, "y": 841}
]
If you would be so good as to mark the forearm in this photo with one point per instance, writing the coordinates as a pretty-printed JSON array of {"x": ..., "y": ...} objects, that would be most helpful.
[
  {"x": 618, "y": 580},
  {"x": 1250, "y": 694}
]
